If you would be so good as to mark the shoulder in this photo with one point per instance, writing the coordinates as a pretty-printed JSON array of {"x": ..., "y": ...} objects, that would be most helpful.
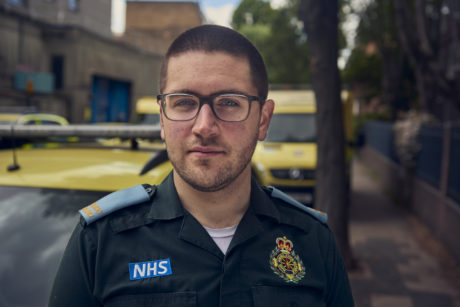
[
  {"x": 116, "y": 201},
  {"x": 289, "y": 202}
]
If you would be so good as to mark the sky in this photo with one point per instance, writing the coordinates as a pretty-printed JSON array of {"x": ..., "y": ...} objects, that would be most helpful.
[{"x": 220, "y": 11}]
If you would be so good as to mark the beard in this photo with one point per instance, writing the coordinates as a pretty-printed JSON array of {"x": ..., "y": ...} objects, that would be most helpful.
[{"x": 209, "y": 175}]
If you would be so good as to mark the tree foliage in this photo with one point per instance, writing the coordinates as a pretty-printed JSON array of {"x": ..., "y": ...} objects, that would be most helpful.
[
  {"x": 278, "y": 34},
  {"x": 377, "y": 62},
  {"x": 417, "y": 45},
  {"x": 252, "y": 12},
  {"x": 365, "y": 69},
  {"x": 429, "y": 32}
]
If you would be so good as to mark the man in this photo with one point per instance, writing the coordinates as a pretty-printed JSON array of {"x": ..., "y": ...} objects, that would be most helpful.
[{"x": 208, "y": 235}]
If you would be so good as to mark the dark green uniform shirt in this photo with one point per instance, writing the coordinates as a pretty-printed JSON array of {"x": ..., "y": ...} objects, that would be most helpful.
[{"x": 157, "y": 254}]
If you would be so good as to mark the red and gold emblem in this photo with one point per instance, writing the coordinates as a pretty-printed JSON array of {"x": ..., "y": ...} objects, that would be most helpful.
[{"x": 285, "y": 262}]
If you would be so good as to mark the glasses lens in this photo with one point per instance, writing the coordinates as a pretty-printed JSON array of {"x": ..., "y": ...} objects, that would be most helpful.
[
  {"x": 180, "y": 106},
  {"x": 231, "y": 107}
]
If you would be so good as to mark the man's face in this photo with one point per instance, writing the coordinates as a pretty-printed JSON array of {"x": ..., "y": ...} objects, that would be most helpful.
[{"x": 206, "y": 152}]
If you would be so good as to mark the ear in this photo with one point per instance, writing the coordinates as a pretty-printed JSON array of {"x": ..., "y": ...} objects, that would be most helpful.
[
  {"x": 161, "y": 122},
  {"x": 265, "y": 117}
]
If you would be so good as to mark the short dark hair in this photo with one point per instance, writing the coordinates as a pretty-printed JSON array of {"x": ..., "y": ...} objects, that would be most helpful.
[{"x": 210, "y": 38}]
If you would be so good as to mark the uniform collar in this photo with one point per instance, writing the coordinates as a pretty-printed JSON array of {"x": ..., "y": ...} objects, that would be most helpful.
[
  {"x": 166, "y": 204},
  {"x": 251, "y": 224},
  {"x": 261, "y": 203}
]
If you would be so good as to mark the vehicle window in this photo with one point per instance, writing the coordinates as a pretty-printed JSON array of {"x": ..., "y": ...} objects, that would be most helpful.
[
  {"x": 42, "y": 122},
  {"x": 295, "y": 128},
  {"x": 150, "y": 119}
]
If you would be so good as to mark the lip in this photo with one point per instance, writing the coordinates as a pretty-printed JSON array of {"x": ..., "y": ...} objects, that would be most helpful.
[{"x": 203, "y": 151}]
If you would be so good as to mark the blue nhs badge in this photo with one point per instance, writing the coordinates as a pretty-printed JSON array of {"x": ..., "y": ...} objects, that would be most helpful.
[{"x": 149, "y": 269}]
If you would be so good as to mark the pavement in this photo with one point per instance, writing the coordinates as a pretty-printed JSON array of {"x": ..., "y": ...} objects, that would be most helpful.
[{"x": 400, "y": 262}]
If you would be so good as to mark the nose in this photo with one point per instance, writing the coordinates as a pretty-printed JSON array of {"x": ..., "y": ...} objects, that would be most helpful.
[{"x": 205, "y": 123}]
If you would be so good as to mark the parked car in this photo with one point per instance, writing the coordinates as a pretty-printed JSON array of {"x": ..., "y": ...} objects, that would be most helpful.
[
  {"x": 32, "y": 119},
  {"x": 288, "y": 156},
  {"x": 40, "y": 199},
  {"x": 148, "y": 111}
]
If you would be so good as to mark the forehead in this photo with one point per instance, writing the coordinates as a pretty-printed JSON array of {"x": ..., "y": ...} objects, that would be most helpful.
[{"x": 208, "y": 72}]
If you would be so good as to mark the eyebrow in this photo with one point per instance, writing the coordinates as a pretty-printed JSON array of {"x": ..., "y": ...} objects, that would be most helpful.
[{"x": 227, "y": 91}]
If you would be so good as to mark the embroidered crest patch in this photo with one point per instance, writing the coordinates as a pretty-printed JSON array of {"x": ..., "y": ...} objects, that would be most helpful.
[{"x": 285, "y": 262}]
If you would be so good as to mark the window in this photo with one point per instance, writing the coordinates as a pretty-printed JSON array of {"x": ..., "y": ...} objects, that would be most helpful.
[
  {"x": 73, "y": 5},
  {"x": 17, "y": 2},
  {"x": 57, "y": 68},
  {"x": 292, "y": 128}
]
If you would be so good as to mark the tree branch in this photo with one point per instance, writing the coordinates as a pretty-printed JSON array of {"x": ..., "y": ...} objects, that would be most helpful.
[{"x": 422, "y": 35}]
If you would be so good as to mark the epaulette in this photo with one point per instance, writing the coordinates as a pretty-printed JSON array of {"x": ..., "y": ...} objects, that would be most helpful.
[
  {"x": 319, "y": 215},
  {"x": 116, "y": 201}
]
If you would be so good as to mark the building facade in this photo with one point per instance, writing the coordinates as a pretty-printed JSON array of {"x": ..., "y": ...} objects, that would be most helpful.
[
  {"x": 94, "y": 15},
  {"x": 153, "y": 25},
  {"x": 59, "y": 57}
]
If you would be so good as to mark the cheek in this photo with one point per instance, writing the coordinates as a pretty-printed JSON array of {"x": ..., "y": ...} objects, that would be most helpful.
[
  {"x": 174, "y": 132},
  {"x": 244, "y": 135}
]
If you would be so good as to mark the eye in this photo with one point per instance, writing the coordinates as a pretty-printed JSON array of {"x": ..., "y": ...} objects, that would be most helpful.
[
  {"x": 182, "y": 102},
  {"x": 229, "y": 102}
]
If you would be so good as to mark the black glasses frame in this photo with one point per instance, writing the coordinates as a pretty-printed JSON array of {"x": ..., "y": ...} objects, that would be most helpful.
[{"x": 207, "y": 100}]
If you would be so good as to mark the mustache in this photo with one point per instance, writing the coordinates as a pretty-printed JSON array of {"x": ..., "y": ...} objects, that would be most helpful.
[{"x": 202, "y": 141}]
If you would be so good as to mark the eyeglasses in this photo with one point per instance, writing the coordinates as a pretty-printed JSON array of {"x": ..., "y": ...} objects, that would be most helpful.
[{"x": 229, "y": 107}]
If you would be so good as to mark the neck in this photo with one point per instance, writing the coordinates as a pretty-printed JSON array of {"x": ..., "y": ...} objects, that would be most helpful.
[{"x": 218, "y": 209}]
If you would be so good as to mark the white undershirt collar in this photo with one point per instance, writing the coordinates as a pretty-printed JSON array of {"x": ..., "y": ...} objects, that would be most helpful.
[{"x": 222, "y": 236}]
